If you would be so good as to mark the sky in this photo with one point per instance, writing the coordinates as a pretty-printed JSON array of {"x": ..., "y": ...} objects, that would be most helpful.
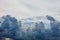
[{"x": 29, "y": 8}]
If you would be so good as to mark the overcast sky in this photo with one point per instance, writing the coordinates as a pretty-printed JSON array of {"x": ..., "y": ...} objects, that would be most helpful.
[{"x": 29, "y": 8}]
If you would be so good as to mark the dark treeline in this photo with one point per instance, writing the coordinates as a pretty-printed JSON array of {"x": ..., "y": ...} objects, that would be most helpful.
[{"x": 11, "y": 28}]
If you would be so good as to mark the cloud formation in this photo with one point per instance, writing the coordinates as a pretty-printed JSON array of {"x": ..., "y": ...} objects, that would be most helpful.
[{"x": 28, "y": 8}]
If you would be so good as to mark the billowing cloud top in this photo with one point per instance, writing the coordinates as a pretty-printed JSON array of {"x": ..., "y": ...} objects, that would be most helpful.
[{"x": 28, "y": 8}]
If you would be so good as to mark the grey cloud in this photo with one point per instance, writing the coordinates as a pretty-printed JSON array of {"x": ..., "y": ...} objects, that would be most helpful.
[{"x": 30, "y": 7}]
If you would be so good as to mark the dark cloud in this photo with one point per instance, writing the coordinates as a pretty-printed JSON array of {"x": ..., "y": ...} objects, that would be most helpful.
[{"x": 12, "y": 28}]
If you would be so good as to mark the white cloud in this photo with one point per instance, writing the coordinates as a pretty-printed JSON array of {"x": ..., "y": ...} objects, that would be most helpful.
[{"x": 28, "y": 8}]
